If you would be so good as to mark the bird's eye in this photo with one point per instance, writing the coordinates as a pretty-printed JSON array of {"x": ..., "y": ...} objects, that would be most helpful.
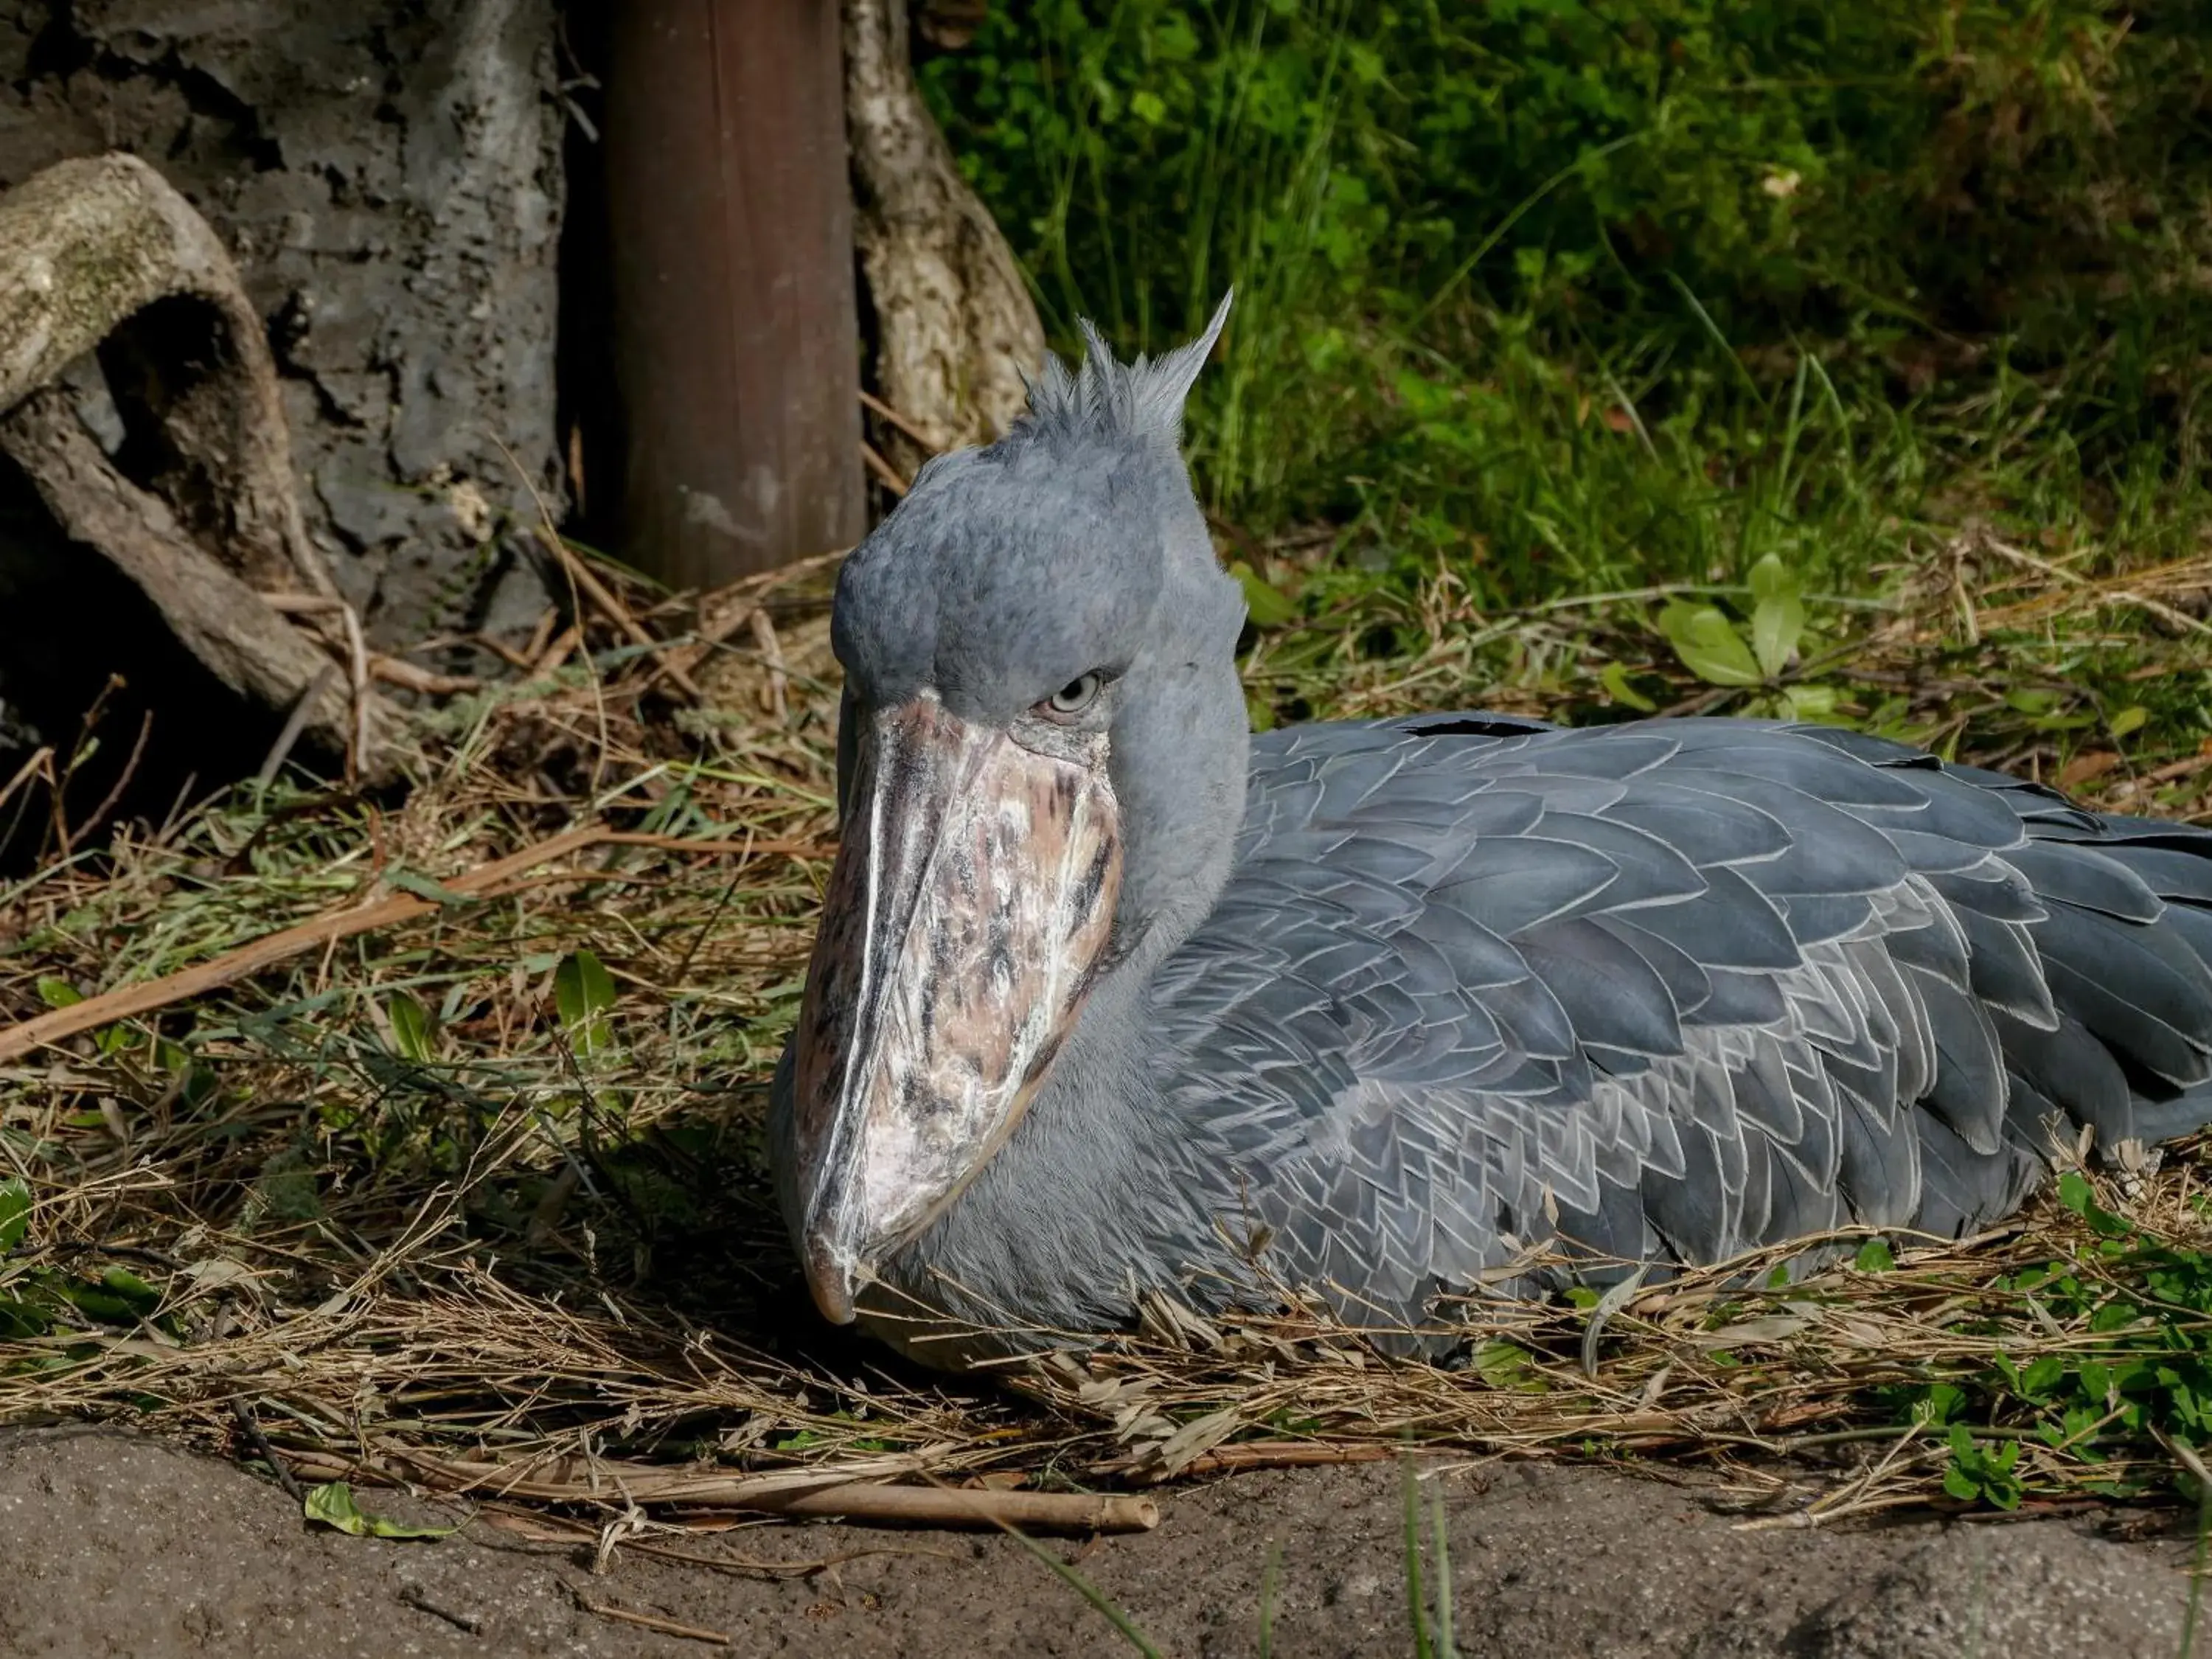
[{"x": 1074, "y": 697}]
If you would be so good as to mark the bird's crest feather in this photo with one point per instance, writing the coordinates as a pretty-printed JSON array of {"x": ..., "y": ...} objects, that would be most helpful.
[{"x": 1106, "y": 398}]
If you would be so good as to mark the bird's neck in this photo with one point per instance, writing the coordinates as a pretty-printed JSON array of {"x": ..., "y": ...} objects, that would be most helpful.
[{"x": 1181, "y": 763}]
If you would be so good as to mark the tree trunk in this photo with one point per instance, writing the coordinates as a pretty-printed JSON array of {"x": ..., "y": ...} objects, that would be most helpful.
[
  {"x": 955, "y": 327},
  {"x": 387, "y": 175}
]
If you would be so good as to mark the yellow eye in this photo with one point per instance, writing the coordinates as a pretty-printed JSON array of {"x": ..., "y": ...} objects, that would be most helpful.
[{"x": 1071, "y": 699}]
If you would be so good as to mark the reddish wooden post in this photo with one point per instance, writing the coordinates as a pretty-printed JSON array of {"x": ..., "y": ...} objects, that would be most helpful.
[{"x": 737, "y": 338}]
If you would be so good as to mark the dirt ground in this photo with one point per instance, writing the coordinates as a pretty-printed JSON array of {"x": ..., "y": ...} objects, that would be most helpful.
[{"x": 110, "y": 1544}]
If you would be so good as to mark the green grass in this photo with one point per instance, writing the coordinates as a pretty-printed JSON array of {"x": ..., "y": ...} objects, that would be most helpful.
[{"x": 1541, "y": 302}]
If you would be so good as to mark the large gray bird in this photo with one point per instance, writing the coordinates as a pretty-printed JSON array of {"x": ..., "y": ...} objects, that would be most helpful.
[{"x": 1111, "y": 997}]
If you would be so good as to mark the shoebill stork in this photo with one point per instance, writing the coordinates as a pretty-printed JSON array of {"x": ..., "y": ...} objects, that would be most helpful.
[{"x": 1112, "y": 996}]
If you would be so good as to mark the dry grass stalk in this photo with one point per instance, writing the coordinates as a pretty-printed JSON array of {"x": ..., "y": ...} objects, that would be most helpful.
[
  {"x": 832, "y": 1495},
  {"x": 378, "y": 1189},
  {"x": 652, "y": 1622}
]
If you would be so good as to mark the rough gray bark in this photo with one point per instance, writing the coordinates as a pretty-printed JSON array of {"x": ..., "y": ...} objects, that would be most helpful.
[
  {"x": 387, "y": 174},
  {"x": 86, "y": 247},
  {"x": 955, "y": 326}
]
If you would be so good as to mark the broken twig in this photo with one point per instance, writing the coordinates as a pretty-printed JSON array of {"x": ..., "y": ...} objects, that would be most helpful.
[
  {"x": 814, "y": 1496},
  {"x": 614, "y": 610}
]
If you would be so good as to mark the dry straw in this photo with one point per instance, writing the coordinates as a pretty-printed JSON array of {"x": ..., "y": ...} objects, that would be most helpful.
[{"x": 371, "y": 1203}]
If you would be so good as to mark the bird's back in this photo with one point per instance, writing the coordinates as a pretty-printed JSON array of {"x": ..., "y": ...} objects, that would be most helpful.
[{"x": 1674, "y": 990}]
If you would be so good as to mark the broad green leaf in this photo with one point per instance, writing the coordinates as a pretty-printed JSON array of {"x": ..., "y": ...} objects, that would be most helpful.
[
  {"x": 583, "y": 990},
  {"x": 1508, "y": 1366},
  {"x": 1778, "y": 620},
  {"x": 1267, "y": 606},
  {"x": 2129, "y": 720},
  {"x": 58, "y": 993},
  {"x": 133, "y": 1289},
  {"x": 1874, "y": 1256},
  {"x": 1938, "y": 1404},
  {"x": 334, "y": 1506},
  {"x": 1770, "y": 579},
  {"x": 1615, "y": 678},
  {"x": 423, "y": 887},
  {"x": 2076, "y": 1193},
  {"x": 1709, "y": 645},
  {"x": 15, "y": 1212},
  {"x": 1810, "y": 702},
  {"x": 2042, "y": 1376},
  {"x": 411, "y": 1026}
]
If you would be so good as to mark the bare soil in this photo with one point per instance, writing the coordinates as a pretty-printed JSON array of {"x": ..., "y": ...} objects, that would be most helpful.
[{"x": 113, "y": 1544}]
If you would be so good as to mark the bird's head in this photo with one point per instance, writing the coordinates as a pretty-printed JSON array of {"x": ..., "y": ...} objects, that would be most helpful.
[{"x": 1041, "y": 760}]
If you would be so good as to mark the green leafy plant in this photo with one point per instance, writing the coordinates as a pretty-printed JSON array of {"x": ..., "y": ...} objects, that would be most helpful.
[
  {"x": 1874, "y": 1256},
  {"x": 412, "y": 1032},
  {"x": 1756, "y": 653},
  {"x": 1980, "y": 1471},
  {"x": 2138, "y": 1369},
  {"x": 584, "y": 992},
  {"x": 334, "y": 1506}
]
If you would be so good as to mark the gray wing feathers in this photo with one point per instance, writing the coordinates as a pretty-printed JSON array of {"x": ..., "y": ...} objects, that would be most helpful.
[{"x": 1676, "y": 989}]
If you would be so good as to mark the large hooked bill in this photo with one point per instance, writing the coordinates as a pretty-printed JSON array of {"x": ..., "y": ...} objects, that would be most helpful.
[{"x": 968, "y": 912}]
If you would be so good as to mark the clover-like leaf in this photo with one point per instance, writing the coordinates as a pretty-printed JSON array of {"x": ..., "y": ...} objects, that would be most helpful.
[
  {"x": 1778, "y": 617},
  {"x": 1709, "y": 645}
]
